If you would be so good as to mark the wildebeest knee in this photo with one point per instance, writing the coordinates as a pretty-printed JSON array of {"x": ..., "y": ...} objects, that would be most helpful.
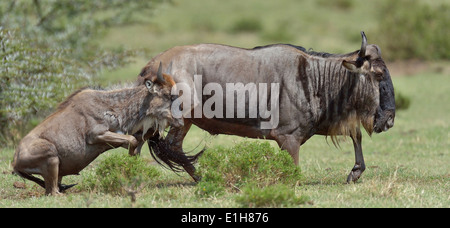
[{"x": 133, "y": 141}]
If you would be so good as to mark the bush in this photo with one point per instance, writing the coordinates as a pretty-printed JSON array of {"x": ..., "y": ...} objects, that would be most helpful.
[
  {"x": 411, "y": 29},
  {"x": 247, "y": 25},
  {"x": 336, "y": 4},
  {"x": 48, "y": 49},
  {"x": 278, "y": 195},
  {"x": 32, "y": 80},
  {"x": 256, "y": 164},
  {"x": 120, "y": 171},
  {"x": 402, "y": 102}
]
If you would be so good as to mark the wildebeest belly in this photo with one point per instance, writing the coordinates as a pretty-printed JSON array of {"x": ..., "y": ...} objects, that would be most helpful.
[
  {"x": 74, "y": 161},
  {"x": 230, "y": 127}
]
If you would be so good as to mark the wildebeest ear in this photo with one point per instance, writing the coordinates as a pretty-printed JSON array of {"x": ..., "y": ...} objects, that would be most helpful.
[
  {"x": 350, "y": 65},
  {"x": 373, "y": 51}
]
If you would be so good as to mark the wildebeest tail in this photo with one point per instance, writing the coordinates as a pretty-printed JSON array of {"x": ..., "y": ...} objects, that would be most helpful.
[
  {"x": 62, "y": 187},
  {"x": 175, "y": 160},
  {"x": 31, "y": 178}
]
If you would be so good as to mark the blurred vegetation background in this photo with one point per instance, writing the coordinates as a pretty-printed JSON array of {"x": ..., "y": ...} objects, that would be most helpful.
[
  {"x": 47, "y": 51},
  {"x": 49, "y": 48}
]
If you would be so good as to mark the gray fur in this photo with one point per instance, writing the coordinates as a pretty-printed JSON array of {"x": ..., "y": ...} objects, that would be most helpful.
[
  {"x": 320, "y": 93},
  {"x": 87, "y": 124}
]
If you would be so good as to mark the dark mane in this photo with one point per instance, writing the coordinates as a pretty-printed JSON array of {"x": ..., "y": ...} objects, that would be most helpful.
[{"x": 309, "y": 52}]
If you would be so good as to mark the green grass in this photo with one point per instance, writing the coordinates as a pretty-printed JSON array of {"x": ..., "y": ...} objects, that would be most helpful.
[
  {"x": 408, "y": 166},
  {"x": 255, "y": 164}
]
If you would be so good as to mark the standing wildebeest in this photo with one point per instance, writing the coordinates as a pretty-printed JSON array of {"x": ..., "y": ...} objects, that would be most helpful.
[
  {"x": 320, "y": 93},
  {"x": 89, "y": 123}
]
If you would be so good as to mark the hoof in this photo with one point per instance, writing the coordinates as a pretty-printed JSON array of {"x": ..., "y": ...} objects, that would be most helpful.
[
  {"x": 53, "y": 194},
  {"x": 355, "y": 174}
]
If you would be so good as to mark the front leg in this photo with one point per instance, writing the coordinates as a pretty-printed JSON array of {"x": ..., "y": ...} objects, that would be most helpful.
[
  {"x": 126, "y": 141},
  {"x": 360, "y": 166},
  {"x": 290, "y": 143},
  {"x": 141, "y": 140}
]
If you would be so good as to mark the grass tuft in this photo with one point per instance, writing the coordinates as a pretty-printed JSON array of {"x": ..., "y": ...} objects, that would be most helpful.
[
  {"x": 278, "y": 195},
  {"x": 257, "y": 164},
  {"x": 120, "y": 172}
]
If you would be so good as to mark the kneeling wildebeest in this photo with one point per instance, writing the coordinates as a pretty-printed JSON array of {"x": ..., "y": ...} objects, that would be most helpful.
[
  {"x": 319, "y": 93},
  {"x": 89, "y": 123}
]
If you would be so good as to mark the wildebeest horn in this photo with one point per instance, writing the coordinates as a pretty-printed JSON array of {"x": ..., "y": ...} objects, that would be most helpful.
[
  {"x": 159, "y": 74},
  {"x": 362, "y": 52}
]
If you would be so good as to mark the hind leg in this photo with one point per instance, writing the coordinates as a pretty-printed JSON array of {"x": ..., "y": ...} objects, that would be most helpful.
[
  {"x": 50, "y": 173},
  {"x": 38, "y": 156}
]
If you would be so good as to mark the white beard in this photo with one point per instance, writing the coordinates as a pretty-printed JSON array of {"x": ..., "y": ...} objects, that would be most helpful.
[{"x": 151, "y": 122}]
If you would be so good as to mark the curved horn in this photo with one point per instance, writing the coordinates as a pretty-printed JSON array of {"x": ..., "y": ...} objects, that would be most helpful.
[
  {"x": 159, "y": 74},
  {"x": 362, "y": 52}
]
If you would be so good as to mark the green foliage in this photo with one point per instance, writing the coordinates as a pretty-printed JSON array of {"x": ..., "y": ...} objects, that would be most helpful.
[
  {"x": 46, "y": 52},
  {"x": 247, "y": 25},
  {"x": 337, "y": 4},
  {"x": 282, "y": 33},
  {"x": 120, "y": 171},
  {"x": 402, "y": 102},
  {"x": 258, "y": 164},
  {"x": 32, "y": 79},
  {"x": 410, "y": 29},
  {"x": 278, "y": 195}
]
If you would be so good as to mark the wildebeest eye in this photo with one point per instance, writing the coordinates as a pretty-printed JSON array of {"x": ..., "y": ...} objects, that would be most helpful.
[{"x": 148, "y": 84}]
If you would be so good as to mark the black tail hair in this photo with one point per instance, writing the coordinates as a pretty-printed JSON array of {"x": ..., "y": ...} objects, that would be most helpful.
[
  {"x": 174, "y": 160},
  {"x": 62, "y": 187}
]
